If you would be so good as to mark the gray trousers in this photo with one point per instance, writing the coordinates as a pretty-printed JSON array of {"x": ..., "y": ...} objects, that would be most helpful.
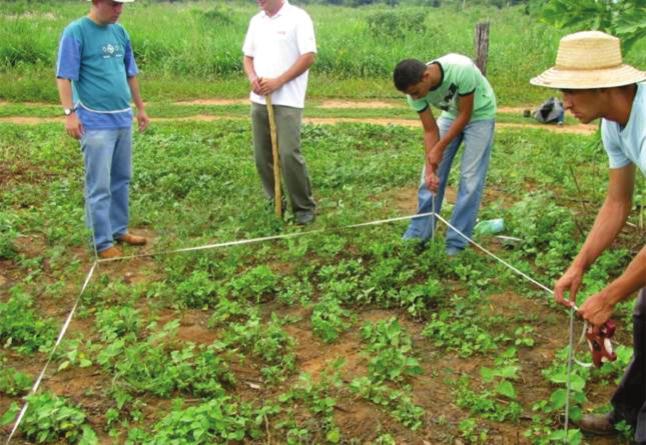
[
  {"x": 629, "y": 401},
  {"x": 292, "y": 164}
]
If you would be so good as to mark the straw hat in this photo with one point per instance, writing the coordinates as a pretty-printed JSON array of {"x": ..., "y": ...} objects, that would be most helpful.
[{"x": 588, "y": 59}]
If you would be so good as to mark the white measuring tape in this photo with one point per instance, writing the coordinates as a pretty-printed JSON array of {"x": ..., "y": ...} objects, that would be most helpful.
[
  {"x": 61, "y": 334},
  {"x": 281, "y": 237},
  {"x": 572, "y": 311},
  {"x": 63, "y": 330}
]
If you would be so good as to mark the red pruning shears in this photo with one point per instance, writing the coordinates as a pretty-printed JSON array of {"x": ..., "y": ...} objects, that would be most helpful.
[{"x": 599, "y": 342}]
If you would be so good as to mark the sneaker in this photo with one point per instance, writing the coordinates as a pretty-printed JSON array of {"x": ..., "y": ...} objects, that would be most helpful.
[
  {"x": 110, "y": 252},
  {"x": 453, "y": 251},
  {"x": 597, "y": 424},
  {"x": 305, "y": 218},
  {"x": 132, "y": 240}
]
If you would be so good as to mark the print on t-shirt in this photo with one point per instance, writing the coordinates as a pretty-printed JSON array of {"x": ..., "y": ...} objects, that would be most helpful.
[{"x": 450, "y": 95}]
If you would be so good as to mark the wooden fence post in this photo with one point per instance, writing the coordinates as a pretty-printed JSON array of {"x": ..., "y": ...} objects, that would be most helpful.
[{"x": 482, "y": 46}]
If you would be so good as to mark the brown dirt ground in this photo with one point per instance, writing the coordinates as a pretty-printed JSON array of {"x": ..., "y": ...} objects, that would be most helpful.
[
  {"x": 214, "y": 102},
  {"x": 576, "y": 129},
  {"x": 366, "y": 104},
  {"x": 354, "y": 416},
  {"x": 337, "y": 103}
]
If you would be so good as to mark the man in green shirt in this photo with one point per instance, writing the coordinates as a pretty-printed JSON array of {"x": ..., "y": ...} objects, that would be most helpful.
[{"x": 455, "y": 85}]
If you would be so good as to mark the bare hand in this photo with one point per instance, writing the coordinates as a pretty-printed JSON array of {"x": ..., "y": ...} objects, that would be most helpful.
[
  {"x": 255, "y": 85},
  {"x": 597, "y": 309},
  {"x": 431, "y": 179},
  {"x": 268, "y": 86},
  {"x": 570, "y": 282},
  {"x": 143, "y": 120},
  {"x": 73, "y": 126}
]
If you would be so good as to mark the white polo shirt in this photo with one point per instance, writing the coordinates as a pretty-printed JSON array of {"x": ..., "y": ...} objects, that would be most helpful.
[{"x": 275, "y": 43}]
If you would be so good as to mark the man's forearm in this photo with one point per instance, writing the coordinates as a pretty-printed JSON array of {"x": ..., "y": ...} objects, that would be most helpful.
[
  {"x": 454, "y": 130},
  {"x": 302, "y": 64},
  {"x": 633, "y": 279},
  {"x": 136, "y": 94},
  {"x": 430, "y": 139},
  {"x": 249, "y": 70},
  {"x": 65, "y": 92},
  {"x": 609, "y": 221}
]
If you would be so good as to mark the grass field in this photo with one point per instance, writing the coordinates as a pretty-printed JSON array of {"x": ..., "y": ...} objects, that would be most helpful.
[
  {"x": 337, "y": 334},
  {"x": 345, "y": 336},
  {"x": 192, "y": 49}
]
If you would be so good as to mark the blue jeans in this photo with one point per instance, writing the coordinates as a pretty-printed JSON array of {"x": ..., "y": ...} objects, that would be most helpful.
[
  {"x": 478, "y": 140},
  {"x": 108, "y": 168}
]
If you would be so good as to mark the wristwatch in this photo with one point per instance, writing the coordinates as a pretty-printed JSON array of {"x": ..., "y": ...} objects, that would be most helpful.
[{"x": 68, "y": 111}]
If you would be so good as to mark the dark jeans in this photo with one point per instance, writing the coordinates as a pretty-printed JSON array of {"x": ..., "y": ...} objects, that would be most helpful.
[
  {"x": 292, "y": 164},
  {"x": 629, "y": 401}
]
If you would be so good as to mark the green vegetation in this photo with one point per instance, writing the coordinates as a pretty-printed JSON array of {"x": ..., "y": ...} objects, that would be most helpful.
[
  {"x": 52, "y": 418},
  {"x": 186, "y": 345},
  {"x": 198, "y": 52},
  {"x": 339, "y": 336}
]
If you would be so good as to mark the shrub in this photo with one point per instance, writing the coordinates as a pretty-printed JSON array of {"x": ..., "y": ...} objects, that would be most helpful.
[{"x": 396, "y": 24}]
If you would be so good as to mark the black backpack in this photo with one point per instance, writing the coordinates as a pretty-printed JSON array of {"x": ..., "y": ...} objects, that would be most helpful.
[{"x": 550, "y": 111}]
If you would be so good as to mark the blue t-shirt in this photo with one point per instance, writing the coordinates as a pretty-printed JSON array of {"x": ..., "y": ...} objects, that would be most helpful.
[
  {"x": 98, "y": 60},
  {"x": 628, "y": 144}
]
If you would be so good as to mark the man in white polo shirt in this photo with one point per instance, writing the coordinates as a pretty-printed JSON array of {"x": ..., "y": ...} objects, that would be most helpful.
[{"x": 278, "y": 50}]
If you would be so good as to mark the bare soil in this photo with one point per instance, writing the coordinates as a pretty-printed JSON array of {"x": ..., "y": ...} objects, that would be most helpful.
[
  {"x": 332, "y": 103},
  {"x": 214, "y": 102},
  {"x": 363, "y": 104}
]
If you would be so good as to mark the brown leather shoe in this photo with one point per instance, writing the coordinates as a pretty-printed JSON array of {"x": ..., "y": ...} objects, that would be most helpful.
[
  {"x": 597, "y": 424},
  {"x": 133, "y": 240},
  {"x": 110, "y": 252}
]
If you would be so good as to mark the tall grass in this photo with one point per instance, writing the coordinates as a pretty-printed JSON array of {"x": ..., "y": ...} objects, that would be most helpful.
[{"x": 199, "y": 43}]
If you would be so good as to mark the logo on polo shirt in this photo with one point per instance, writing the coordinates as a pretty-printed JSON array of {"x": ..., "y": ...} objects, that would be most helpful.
[{"x": 112, "y": 50}]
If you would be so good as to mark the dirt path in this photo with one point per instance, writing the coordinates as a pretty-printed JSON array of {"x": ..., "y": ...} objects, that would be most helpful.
[
  {"x": 366, "y": 104},
  {"x": 214, "y": 102},
  {"x": 574, "y": 129}
]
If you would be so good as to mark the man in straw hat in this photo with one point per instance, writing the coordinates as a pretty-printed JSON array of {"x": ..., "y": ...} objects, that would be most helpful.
[
  {"x": 96, "y": 76},
  {"x": 596, "y": 84}
]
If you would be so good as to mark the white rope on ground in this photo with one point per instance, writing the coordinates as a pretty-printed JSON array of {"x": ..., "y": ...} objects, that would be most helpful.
[
  {"x": 573, "y": 309},
  {"x": 491, "y": 254},
  {"x": 68, "y": 320},
  {"x": 570, "y": 355},
  {"x": 265, "y": 238},
  {"x": 61, "y": 334},
  {"x": 433, "y": 214}
]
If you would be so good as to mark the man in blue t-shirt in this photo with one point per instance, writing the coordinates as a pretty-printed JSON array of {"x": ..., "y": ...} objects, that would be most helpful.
[
  {"x": 96, "y": 78},
  {"x": 596, "y": 84}
]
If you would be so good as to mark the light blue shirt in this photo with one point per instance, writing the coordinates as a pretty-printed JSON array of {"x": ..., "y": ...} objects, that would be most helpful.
[
  {"x": 628, "y": 144},
  {"x": 98, "y": 60}
]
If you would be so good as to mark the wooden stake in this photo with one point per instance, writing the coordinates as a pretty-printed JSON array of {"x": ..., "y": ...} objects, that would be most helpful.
[
  {"x": 278, "y": 200},
  {"x": 482, "y": 46}
]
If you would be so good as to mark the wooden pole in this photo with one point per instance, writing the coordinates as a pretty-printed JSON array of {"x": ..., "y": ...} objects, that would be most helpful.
[
  {"x": 278, "y": 200},
  {"x": 482, "y": 46}
]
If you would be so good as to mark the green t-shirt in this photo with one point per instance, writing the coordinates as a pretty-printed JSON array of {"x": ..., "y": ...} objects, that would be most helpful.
[{"x": 460, "y": 77}]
